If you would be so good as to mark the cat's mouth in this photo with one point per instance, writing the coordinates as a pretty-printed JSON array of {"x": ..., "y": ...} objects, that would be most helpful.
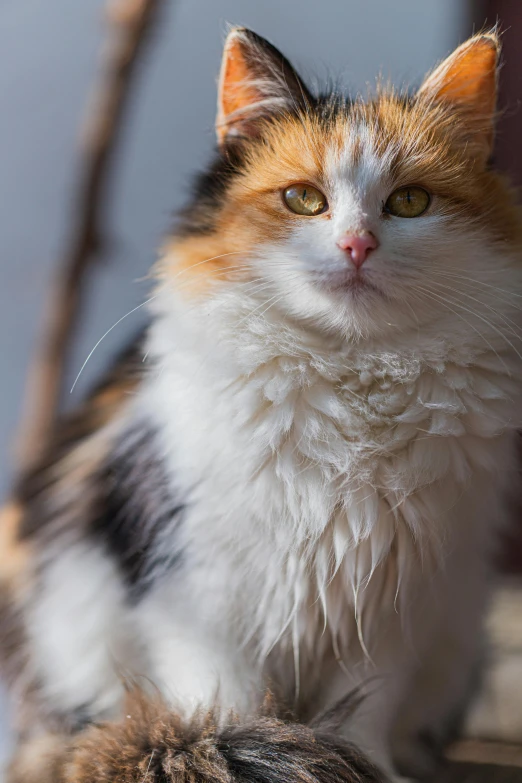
[{"x": 356, "y": 284}]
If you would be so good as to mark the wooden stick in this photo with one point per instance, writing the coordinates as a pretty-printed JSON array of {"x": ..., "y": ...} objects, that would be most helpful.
[{"x": 129, "y": 22}]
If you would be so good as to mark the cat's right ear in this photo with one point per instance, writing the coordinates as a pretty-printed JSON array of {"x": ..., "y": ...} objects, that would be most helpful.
[
  {"x": 256, "y": 82},
  {"x": 467, "y": 81}
]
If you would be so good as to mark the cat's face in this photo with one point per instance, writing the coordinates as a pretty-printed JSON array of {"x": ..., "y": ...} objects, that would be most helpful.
[{"x": 357, "y": 218}]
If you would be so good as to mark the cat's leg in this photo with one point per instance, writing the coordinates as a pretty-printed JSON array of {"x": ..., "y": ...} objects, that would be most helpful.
[
  {"x": 434, "y": 707},
  {"x": 421, "y": 672},
  {"x": 440, "y": 690},
  {"x": 81, "y": 635},
  {"x": 85, "y": 639},
  {"x": 78, "y": 647},
  {"x": 360, "y": 697},
  {"x": 448, "y": 661},
  {"x": 59, "y": 620},
  {"x": 196, "y": 662}
]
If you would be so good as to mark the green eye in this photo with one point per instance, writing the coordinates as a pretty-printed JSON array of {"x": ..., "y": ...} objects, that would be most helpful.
[
  {"x": 408, "y": 202},
  {"x": 304, "y": 200}
]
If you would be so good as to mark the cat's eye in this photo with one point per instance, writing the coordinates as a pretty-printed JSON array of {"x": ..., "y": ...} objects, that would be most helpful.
[
  {"x": 408, "y": 202},
  {"x": 305, "y": 200}
]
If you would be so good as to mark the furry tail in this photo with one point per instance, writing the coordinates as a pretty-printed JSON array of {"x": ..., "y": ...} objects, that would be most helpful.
[{"x": 153, "y": 745}]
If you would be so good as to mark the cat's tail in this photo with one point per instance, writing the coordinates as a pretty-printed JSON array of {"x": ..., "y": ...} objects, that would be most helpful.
[{"x": 153, "y": 745}]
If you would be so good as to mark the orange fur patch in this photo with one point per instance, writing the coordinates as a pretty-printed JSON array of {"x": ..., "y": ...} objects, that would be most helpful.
[{"x": 14, "y": 554}]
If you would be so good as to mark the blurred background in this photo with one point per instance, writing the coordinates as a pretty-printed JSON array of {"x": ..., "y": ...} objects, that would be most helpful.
[{"x": 49, "y": 53}]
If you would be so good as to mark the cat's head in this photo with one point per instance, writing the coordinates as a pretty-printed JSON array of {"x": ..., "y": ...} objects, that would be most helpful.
[{"x": 357, "y": 217}]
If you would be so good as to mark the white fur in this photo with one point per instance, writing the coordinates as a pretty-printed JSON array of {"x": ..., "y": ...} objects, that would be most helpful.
[{"x": 78, "y": 643}]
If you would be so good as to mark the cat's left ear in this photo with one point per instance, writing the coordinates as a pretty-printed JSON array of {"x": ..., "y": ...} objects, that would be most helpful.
[
  {"x": 256, "y": 82},
  {"x": 467, "y": 81}
]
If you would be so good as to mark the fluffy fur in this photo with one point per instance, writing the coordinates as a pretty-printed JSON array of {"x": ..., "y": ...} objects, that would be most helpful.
[
  {"x": 152, "y": 745},
  {"x": 303, "y": 490}
]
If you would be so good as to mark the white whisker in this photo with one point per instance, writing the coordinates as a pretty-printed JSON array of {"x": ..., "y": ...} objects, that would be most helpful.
[
  {"x": 146, "y": 302},
  {"x": 487, "y": 322},
  {"x": 440, "y": 300},
  {"x": 512, "y": 326}
]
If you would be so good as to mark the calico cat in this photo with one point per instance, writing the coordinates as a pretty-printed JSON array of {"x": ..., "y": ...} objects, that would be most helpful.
[{"x": 300, "y": 489}]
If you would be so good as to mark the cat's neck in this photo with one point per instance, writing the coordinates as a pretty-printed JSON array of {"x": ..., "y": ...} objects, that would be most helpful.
[
  {"x": 234, "y": 338},
  {"x": 275, "y": 391}
]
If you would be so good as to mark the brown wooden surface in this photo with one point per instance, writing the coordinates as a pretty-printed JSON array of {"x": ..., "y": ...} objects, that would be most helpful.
[{"x": 462, "y": 772}]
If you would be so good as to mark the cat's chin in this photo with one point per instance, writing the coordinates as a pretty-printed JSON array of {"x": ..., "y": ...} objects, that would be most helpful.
[
  {"x": 355, "y": 285},
  {"x": 358, "y": 288}
]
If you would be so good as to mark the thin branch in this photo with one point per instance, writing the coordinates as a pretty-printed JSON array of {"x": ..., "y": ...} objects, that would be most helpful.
[{"x": 129, "y": 21}]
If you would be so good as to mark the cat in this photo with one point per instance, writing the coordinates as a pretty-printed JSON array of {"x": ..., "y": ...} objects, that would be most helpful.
[{"x": 300, "y": 490}]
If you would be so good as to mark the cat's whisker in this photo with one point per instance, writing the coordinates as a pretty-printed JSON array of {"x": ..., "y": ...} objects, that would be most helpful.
[
  {"x": 273, "y": 304},
  {"x": 457, "y": 303},
  {"x": 170, "y": 280},
  {"x": 460, "y": 286},
  {"x": 254, "y": 288},
  {"x": 134, "y": 309},
  {"x": 514, "y": 328},
  {"x": 173, "y": 282},
  {"x": 440, "y": 300},
  {"x": 256, "y": 309},
  {"x": 451, "y": 275},
  {"x": 138, "y": 307},
  {"x": 423, "y": 293}
]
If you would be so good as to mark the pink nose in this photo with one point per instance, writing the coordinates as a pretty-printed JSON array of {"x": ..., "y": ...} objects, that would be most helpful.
[{"x": 358, "y": 246}]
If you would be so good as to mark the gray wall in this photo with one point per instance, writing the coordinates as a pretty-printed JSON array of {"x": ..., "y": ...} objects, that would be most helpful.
[{"x": 48, "y": 52}]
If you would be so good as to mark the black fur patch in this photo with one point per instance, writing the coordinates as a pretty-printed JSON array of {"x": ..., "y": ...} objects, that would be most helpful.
[
  {"x": 137, "y": 517},
  {"x": 123, "y": 498},
  {"x": 208, "y": 195}
]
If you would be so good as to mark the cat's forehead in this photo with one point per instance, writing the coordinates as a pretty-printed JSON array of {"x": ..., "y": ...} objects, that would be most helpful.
[
  {"x": 361, "y": 145},
  {"x": 386, "y": 140},
  {"x": 357, "y": 157}
]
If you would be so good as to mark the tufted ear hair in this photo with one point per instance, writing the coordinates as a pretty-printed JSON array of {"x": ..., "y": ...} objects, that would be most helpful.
[
  {"x": 467, "y": 81},
  {"x": 256, "y": 82}
]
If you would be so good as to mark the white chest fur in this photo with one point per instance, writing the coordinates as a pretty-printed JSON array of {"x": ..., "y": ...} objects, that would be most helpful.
[{"x": 319, "y": 471}]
